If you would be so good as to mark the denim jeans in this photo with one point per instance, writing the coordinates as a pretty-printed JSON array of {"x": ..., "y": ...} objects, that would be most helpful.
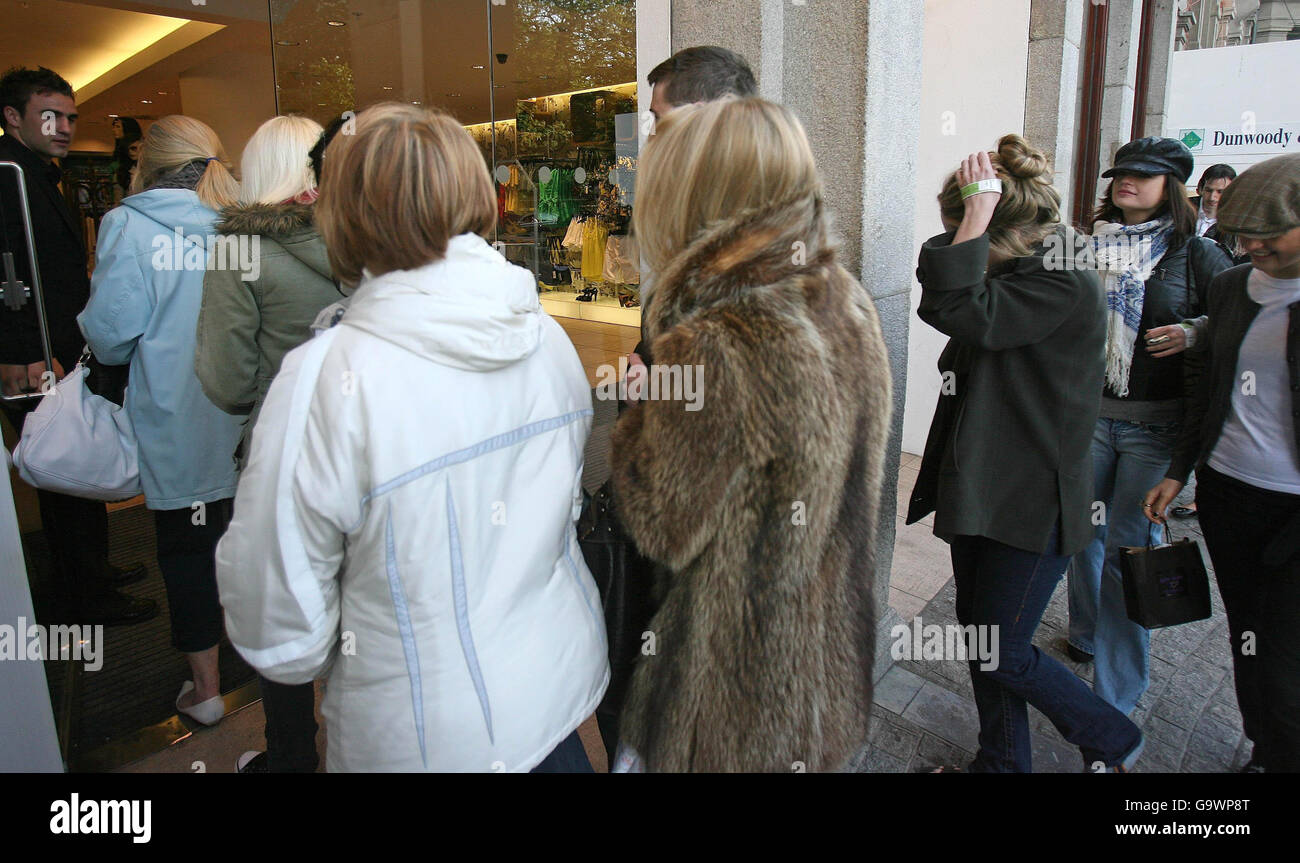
[
  {"x": 1006, "y": 587},
  {"x": 1129, "y": 459},
  {"x": 1240, "y": 521}
]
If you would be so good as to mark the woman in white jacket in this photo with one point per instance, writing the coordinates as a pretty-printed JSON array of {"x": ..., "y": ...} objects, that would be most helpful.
[{"x": 405, "y": 523}]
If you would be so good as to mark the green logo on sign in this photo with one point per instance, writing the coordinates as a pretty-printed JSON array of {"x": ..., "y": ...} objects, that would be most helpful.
[{"x": 1193, "y": 138}]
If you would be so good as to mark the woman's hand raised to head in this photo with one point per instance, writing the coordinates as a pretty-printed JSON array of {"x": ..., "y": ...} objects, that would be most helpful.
[{"x": 980, "y": 206}]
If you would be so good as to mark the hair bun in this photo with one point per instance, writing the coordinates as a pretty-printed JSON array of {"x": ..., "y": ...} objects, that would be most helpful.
[{"x": 1021, "y": 160}]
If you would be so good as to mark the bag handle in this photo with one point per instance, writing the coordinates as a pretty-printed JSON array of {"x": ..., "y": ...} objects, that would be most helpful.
[{"x": 1168, "y": 538}]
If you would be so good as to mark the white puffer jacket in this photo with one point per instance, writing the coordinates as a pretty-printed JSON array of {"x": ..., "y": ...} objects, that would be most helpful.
[{"x": 405, "y": 524}]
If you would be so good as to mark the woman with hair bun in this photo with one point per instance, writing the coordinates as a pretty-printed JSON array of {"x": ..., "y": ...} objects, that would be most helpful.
[{"x": 1006, "y": 465}]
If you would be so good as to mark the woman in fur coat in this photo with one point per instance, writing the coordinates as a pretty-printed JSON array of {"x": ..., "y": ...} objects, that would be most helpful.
[{"x": 759, "y": 496}]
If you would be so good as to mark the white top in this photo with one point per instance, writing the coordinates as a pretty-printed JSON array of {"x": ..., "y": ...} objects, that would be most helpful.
[
  {"x": 405, "y": 525},
  {"x": 1204, "y": 222},
  {"x": 1258, "y": 443}
]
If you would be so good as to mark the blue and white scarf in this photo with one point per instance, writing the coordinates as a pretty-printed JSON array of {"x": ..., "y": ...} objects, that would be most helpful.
[{"x": 1126, "y": 255}]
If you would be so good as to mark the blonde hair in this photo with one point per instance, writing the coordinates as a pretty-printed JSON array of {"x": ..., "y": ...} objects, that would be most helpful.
[
  {"x": 709, "y": 162},
  {"x": 175, "y": 140},
  {"x": 276, "y": 166},
  {"x": 395, "y": 192},
  {"x": 1029, "y": 208}
]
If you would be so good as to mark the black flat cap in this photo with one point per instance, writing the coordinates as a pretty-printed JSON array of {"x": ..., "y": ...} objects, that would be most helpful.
[{"x": 1154, "y": 156}]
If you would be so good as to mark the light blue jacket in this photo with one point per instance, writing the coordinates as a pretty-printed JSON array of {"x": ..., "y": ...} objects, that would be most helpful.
[{"x": 144, "y": 309}]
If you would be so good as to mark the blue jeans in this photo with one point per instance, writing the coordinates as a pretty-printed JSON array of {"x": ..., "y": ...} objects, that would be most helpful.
[
  {"x": 568, "y": 757},
  {"x": 1129, "y": 459},
  {"x": 1006, "y": 587}
]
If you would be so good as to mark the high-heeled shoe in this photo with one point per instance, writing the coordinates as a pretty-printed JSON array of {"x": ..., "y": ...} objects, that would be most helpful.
[{"x": 207, "y": 712}]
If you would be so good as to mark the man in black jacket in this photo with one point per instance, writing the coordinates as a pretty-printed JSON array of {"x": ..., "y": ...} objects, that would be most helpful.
[{"x": 39, "y": 119}]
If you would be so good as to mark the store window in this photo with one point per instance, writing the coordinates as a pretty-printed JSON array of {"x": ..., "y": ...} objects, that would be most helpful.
[{"x": 548, "y": 90}]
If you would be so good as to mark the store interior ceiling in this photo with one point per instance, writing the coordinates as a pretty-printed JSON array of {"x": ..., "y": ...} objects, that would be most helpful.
[{"x": 129, "y": 58}]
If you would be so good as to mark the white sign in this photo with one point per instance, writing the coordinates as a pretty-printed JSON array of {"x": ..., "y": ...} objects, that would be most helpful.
[{"x": 1261, "y": 140}]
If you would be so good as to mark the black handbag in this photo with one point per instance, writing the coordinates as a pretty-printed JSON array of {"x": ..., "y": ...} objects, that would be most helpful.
[
  {"x": 1165, "y": 585},
  {"x": 626, "y": 582}
]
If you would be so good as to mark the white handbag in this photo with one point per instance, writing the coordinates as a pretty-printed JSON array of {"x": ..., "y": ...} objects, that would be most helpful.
[{"x": 78, "y": 443}]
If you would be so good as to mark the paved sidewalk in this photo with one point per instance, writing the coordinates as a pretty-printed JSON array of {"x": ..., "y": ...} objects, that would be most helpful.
[{"x": 925, "y": 716}]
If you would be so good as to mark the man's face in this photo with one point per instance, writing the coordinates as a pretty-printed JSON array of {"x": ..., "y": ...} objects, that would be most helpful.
[
  {"x": 1278, "y": 256},
  {"x": 659, "y": 104},
  {"x": 46, "y": 126},
  {"x": 1211, "y": 192}
]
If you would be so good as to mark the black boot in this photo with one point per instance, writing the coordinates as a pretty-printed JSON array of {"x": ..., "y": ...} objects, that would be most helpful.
[
  {"x": 119, "y": 576},
  {"x": 115, "y": 608}
]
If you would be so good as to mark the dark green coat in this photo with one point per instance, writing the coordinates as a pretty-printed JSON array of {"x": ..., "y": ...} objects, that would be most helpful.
[
  {"x": 1009, "y": 452},
  {"x": 246, "y": 327}
]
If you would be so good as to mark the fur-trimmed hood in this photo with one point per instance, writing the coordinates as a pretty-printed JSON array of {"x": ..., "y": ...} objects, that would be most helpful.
[
  {"x": 269, "y": 220},
  {"x": 291, "y": 227},
  {"x": 760, "y": 502}
]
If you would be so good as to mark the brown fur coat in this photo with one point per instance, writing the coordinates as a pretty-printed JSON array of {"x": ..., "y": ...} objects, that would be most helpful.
[{"x": 762, "y": 504}]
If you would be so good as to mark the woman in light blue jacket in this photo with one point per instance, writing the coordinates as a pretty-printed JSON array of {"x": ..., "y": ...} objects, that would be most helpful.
[{"x": 145, "y": 293}]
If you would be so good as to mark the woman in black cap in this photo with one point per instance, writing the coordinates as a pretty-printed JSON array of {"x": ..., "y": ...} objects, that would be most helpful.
[
  {"x": 1155, "y": 272},
  {"x": 1243, "y": 438}
]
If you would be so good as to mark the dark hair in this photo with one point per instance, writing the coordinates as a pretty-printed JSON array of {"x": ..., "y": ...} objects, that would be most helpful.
[
  {"x": 1176, "y": 206},
  {"x": 122, "y": 150},
  {"x": 702, "y": 74},
  {"x": 130, "y": 129},
  {"x": 19, "y": 84},
  {"x": 1216, "y": 172},
  {"x": 317, "y": 153}
]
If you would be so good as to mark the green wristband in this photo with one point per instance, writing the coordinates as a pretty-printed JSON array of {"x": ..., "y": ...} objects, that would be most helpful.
[{"x": 981, "y": 187}]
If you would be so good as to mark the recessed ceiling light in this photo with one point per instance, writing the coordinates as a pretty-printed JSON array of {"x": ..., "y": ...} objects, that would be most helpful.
[
  {"x": 415, "y": 103},
  {"x": 162, "y": 92},
  {"x": 387, "y": 88},
  {"x": 285, "y": 43},
  {"x": 498, "y": 86},
  {"x": 112, "y": 115},
  {"x": 320, "y": 104},
  {"x": 478, "y": 66},
  {"x": 146, "y": 101},
  {"x": 337, "y": 23},
  {"x": 453, "y": 95}
]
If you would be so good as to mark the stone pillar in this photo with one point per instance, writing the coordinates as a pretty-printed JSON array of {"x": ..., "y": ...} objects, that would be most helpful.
[
  {"x": 1275, "y": 21},
  {"x": 851, "y": 71},
  {"x": 1121, "y": 76},
  {"x": 1052, "y": 86},
  {"x": 1185, "y": 38},
  {"x": 1163, "y": 32}
]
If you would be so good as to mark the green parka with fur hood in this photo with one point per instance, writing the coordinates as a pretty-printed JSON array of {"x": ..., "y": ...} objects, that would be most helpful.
[{"x": 247, "y": 326}]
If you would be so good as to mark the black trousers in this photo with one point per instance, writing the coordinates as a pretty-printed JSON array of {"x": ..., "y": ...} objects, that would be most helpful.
[
  {"x": 187, "y": 558},
  {"x": 1262, "y": 600},
  {"x": 77, "y": 532},
  {"x": 290, "y": 726}
]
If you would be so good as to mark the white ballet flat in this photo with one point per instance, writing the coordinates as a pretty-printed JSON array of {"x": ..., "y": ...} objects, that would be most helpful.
[{"x": 207, "y": 712}]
